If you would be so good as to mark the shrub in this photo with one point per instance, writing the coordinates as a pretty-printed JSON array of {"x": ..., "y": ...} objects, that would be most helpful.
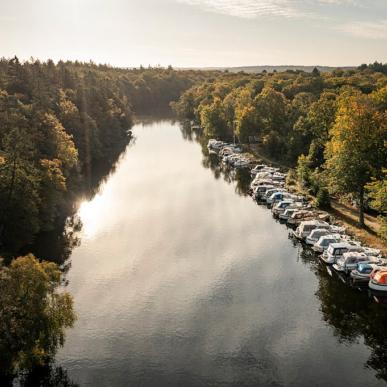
[{"x": 323, "y": 199}]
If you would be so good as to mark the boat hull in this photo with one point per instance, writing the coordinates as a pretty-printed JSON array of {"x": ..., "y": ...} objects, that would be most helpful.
[{"x": 377, "y": 287}]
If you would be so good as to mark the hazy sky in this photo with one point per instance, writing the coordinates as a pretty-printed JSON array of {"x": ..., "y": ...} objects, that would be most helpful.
[{"x": 196, "y": 32}]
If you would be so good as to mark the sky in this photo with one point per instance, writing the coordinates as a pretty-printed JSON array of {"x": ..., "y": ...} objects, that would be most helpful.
[{"x": 196, "y": 33}]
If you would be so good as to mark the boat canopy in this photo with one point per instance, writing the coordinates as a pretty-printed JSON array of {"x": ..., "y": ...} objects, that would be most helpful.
[
  {"x": 381, "y": 277},
  {"x": 364, "y": 268}
]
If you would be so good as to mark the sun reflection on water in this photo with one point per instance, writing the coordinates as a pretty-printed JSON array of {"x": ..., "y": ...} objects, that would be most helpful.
[{"x": 92, "y": 214}]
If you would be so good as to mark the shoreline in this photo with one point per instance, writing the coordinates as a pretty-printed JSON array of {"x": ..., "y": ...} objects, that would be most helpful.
[{"x": 342, "y": 213}]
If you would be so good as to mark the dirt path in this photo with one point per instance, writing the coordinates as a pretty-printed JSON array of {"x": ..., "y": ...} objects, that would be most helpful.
[
  {"x": 348, "y": 215},
  {"x": 343, "y": 213}
]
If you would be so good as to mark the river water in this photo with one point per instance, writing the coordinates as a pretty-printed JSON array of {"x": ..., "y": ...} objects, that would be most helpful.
[{"x": 182, "y": 280}]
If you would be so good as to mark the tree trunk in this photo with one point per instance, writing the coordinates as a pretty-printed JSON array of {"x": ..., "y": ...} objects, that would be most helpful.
[{"x": 361, "y": 207}]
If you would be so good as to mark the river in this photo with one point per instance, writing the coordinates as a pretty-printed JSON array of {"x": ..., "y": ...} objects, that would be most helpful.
[{"x": 182, "y": 280}]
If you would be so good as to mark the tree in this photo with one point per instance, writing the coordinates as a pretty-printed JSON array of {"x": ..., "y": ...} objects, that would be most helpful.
[
  {"x": 377, "y": 191},
  {"x": 213, "y": 119},
  {"x": 246, "y": 123},
  {"x": 271, "y": 107},
  {"x": 356, "y": 151},
  {"x": 19, "y": 186},
  {"x": 33, "y": 313}
]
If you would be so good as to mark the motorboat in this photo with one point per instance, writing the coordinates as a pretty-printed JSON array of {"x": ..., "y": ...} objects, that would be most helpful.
[
  {"x": 378, "y": 280},
  {"x": 215, "y": 144},
  {"x": 277, "y": 197},
  {"x": 270, "y": 192},
  {"x": 241, "y": 163},
  {"x": 336, "y": 251},
  {"x": 261, "y": 189},
  {"x": 325, "y": 240},
  {"x": 288, "y": 213},
  {"x": 257, "y": 169},
  {"x": 316, "y": 234},
  {"x": 231, "y": 159},
  {"x": 301, "y": 216},
  {"x": 281, "y": 206},
  {"x": 306, "y": 227},
  {"x": 351, "y": 259},
  {"x": 362, "y": 273},
  {"x": 306, "y": 215}
]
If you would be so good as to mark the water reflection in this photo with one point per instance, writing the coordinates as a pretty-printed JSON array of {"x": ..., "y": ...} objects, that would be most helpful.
[
  {"x": 354, "y": 317},
  {"x": 210, "y": 160},
  {"x": 352, "y": 312},
  {"x": 56, "y": 246},
  {"x": 179, "y": 281}
]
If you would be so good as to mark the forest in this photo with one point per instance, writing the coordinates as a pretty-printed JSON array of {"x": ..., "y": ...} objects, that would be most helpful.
[
  {"x": 59, "y": 123},
  {"x": 331, "y": 128}
]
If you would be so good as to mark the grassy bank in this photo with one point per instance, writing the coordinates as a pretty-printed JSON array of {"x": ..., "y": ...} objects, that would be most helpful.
[{"x": 342, "y": 213}]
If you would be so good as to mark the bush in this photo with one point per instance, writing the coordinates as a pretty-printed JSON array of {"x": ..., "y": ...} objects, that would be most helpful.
[
  {"x": 383, "y": 227},
  {"x": 323, "y": 199}
]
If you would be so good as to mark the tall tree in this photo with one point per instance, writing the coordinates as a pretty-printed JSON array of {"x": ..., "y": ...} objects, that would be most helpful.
[
  {"x": 33, "y": 313},
  {"x": 356, "y": 151}
]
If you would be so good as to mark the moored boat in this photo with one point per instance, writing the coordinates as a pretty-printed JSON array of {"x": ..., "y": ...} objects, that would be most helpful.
[
  {"x": 378, "y": 280},
  {"x": 361, "y": 274}
]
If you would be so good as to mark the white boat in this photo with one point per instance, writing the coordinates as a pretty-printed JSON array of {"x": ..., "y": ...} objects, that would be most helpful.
[
  {"x": 257, "y": 169},
  {"x": 270, "y": 192},
  {"x": 288, "y": 213},
  {"x": 277, "y": 196},
  {"x": 323, "y": 243},
  {"x": 336, "y": 251},
  {"x": 241, "y": 163},
  {"x": 362, "y": 273},
  {"x": 281, "y": 206},
  {"x": 306, "y": 227},
  {"x": 351, "y": 259},
  {"x": 316, "y": 234},
  {"x": 300, "y": 216}
]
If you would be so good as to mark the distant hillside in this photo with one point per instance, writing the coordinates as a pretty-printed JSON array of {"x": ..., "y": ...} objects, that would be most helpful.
[{"x": 259, "y": 69}]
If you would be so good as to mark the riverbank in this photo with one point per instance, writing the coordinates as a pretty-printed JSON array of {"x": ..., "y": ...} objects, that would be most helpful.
[{"x": 342, "y": 213}]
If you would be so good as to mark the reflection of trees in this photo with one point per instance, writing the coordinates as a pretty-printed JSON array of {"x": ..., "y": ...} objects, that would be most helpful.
[
  {"x": 353, "y": 315},
  {"x": 212, "y": 161},
  {"x": 43, "y": 376},
  {"x": 57, "y": 245},
  {"x": 33, "y": 311}
]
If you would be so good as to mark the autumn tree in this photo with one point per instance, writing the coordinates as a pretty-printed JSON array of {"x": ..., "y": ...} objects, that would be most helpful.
[
  {"x": 377, "y": 191},
  {"x": 33, "y": 313},
  {"x": 214, "y": 120},
  {"x": 356, "y": 151}
]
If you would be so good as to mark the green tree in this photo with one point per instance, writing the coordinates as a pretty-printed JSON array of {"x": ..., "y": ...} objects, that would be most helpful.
[
  {"x": 246, "y": 123},
  {"x": 33, "y": 313},
  {"x": 19, "y": 191},
  {"x": 214, "y": 120},
  {"x": 356, "y": 151},
  {"x": 377, "y": 191}
]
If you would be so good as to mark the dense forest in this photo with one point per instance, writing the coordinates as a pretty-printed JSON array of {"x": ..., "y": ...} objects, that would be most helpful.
[
  {"x": 60, "y": 122},
  {"x": 60, "y": 126},
  {"x": 332, "y": 127}
]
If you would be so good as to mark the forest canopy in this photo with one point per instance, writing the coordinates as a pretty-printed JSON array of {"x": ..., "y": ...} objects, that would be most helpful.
[
  {"x": 332, "y": 126},
  {"x": 58, "y": 123}
]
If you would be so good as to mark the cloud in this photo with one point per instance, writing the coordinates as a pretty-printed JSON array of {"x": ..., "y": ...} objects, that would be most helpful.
[
  {"x": 249, "y": 8},
  {"x": 367, "y": 30},
  {"x": 338, "y": 2}
]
